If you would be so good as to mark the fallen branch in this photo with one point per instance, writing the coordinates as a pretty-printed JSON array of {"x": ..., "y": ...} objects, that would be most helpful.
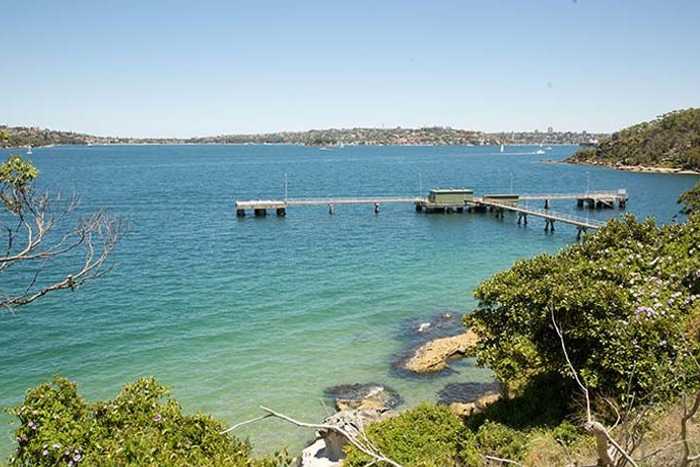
[
  {"x": 502, "y": 461},
  {"x": 238, "y": 425},
  {"x": 375, "y": 455},
  {"x": 364, "y": 445}
]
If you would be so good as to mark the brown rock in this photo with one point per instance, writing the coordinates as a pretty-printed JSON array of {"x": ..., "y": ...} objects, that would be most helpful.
[
  {"x": 462, "y": 409},
  {"x": 465, "y": 409},
  {"x": 363, "y": 397},
  {"x": 433, "y": 355}
]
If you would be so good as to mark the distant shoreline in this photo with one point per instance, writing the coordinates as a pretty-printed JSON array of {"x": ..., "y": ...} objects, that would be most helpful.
[{"x": 333, "y": 147}]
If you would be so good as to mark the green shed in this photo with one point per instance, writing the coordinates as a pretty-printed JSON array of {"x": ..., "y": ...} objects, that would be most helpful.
[{"x": 452, "y": 196}]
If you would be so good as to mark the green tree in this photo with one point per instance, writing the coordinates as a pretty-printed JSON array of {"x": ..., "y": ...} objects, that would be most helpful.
[
  {"x": 625, "y": 299},
  {"x": 141, "y": 426},
  {"x": 691, "y": 200}
]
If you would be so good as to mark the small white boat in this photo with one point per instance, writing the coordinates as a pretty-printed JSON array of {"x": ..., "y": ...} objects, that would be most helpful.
[
  {"x": 502, "y": 147},
  {"x": 539, "y": 151},
  {"x": 29, "y": 149}
]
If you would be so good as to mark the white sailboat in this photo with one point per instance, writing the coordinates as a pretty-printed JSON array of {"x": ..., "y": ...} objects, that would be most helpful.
[
  {"x": 29, "y": 149},
  {"x": 502, "y": 147}
]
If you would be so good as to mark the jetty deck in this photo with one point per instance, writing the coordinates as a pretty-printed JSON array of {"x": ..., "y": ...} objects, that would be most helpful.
[
  {"x": 341, "y": 201},
  {"x": 548, "y": 215},
  {"x": 497, "y": 203}
]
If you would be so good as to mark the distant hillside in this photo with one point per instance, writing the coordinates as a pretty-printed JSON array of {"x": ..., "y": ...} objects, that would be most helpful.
[
  {"x": 370, "y": 136},
  {"x": 26, "y": 136},
  {"x": 671, "y": 141},
  {"x": 20, "y": 136},
  {"x": 388, "y": 136}
]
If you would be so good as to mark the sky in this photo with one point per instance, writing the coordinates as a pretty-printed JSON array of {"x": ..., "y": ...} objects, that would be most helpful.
[{"x": 194, "y": 68}]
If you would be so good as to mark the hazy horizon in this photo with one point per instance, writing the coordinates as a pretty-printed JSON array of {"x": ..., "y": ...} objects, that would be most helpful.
[{"x": 165, "y": 69}]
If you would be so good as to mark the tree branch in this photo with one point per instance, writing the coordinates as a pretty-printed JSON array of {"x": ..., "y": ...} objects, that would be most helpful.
[
  {"x": 353, "y": 439},
  {"x": 603, "y": 438}
]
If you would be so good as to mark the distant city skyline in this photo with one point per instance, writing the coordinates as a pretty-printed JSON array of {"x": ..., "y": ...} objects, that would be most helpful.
[{"x": 168, "y": 69}]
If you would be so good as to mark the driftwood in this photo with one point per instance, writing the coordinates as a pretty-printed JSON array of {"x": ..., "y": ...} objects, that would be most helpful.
[{"x": 355, "y": 436}]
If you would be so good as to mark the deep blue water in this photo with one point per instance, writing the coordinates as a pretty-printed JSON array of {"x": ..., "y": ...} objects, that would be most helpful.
[{"x": 232, "y": 313}]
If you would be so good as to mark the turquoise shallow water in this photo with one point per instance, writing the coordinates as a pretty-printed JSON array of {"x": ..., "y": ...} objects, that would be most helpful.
[{"x": 232, "y": 313}]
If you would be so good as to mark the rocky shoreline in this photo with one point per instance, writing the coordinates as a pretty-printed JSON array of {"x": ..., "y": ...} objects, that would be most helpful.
[
  {"x": 434, "y": 355},
  {"x": 360, "y": 404},
  {"x": 635, "y": 168}
]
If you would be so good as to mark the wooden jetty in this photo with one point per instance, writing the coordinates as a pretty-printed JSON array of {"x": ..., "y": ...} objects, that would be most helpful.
[{"x": 459, "y": 200}]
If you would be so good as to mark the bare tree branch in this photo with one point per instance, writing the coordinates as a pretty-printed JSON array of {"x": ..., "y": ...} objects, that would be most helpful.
[
  {"x": 238, "y": 425},
  {"x": 352, "y": 438},
  {"x": 601, "y": 434},
  {"x": 502, "y": 461},
  {"x": 687, "y": 415},
  {"x": 42, "y": 233}
]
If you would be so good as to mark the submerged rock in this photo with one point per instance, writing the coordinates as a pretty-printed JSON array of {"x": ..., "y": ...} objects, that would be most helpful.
[
  {"x": 466, "y": 392},
  {"x": 370, "y": 396},
  {"x": 465, "y": 409},
  {"x": 465, "y": 399},
  {"x": 433, "y": 355}
]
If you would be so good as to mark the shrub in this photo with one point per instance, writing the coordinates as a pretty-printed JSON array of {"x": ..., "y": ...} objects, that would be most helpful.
[
  {"x": 690, "y": 200},
  {"x": 538, "y": 404},
  {"x": 141, "y": 426},
  {"x": 425, "y": 436},
  {"x": 622, "y": 298},
  {"x": 499, "y": 440}
]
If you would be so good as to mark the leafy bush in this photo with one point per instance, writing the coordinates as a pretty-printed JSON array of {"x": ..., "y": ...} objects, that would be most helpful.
[
  {"x": 537, "y": 404},
  {"x": 691, "y": 200},
  {"x": 139, "y": 427},
  {"x": 425, "y": 436},
  {"x": 501, "y": 441},
  {"x": 506, "y": 428},
  {"x": 622, "y": 298},
  {"x": 495, "y": 439}
]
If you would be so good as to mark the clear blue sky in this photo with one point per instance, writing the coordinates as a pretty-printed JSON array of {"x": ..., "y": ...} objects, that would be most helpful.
[{"x": 185, "y": 68}]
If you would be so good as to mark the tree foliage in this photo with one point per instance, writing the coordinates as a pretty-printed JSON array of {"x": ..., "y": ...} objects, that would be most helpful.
[
  {"x": 16, "y": 176},
  {"x": 141, "y": 426},
  {"x": 672, "y": 140},
  {"x": 690, "y": 200},
  {"x": 425, "y": 436},
  {"x": 626, "y": 299}
]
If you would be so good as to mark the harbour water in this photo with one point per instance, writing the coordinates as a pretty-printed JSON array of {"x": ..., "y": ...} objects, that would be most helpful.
[{"x": 232, "y": 313}]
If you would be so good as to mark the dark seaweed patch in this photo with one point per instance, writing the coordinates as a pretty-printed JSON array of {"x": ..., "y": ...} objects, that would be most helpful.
[{"x": 465, "y": 392}]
